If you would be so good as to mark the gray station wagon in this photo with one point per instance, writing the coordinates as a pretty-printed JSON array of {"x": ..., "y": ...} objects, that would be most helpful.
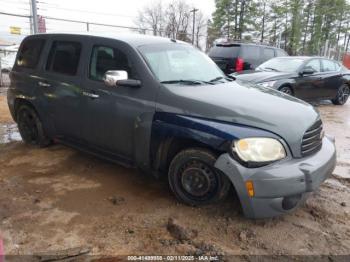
[{"x": 164, "y": 107}]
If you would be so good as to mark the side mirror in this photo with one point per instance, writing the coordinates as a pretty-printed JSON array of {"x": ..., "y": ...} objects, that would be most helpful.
[
  {"x": 307, "y": 71},
  {"x": 112, "y": 77}
]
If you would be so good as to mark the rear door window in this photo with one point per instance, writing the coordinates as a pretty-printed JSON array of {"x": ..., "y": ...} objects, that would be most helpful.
[
  {"x": 225, "y": 51},
  {"x": 268, "y": 53},
  {"x": 30, "y": 52},
  {"x": 328, "y": 66},
  {"x": 64, "y": 57}
]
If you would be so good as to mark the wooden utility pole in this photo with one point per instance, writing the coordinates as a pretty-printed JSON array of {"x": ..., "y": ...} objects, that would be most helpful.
[{"x": 194, "y": 10}]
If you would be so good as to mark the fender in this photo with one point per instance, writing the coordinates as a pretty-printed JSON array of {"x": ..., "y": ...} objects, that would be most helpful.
[{"x": 213, "y": 134}]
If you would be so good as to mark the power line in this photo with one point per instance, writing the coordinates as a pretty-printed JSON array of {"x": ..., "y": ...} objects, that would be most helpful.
[
  {"x": 11, "y": 14},
  {"x": 14, "y": 2},
  {"x": 87, "y": 22},
  {"x": 86, "y": 11}
]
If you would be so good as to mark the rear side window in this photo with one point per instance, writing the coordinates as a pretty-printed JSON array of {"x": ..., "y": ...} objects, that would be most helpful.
[
  {"x": 251, "y": 53},
  {"x": 64, "y": 57},
  {"x": 328, "y": 65},
  {"x": 105, "y": 58},
  {"x": 268, "y": 53},
  {"x": 225, "y": 51},
  {"x": 29, "y": 54}
]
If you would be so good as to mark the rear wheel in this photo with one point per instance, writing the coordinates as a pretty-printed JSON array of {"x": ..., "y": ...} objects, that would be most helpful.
[
  {"x": 194, "y": 179},
  {"x": 30, "y": 127},
  {"x": 286, "y": 89},
  {"x": 342, "y": 95}
]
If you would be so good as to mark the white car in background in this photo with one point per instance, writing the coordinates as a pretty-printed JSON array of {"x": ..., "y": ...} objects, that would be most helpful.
[{"x": 7, "y": 62}]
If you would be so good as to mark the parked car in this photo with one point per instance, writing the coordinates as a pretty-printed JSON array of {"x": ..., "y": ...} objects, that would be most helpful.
[
  {"x": 165, "y": 107},
  {"x": 308, "y": 78},
  {"x": 237, "y": 57}
]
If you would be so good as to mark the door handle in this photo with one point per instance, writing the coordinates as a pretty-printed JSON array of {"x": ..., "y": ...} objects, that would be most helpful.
[
  {"x": 91, "y": 95},
  {"x": 43, "y": 84}
]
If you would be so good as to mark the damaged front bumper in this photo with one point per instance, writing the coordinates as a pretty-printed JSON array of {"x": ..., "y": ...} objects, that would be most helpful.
[{"x": 280, "y": 187}]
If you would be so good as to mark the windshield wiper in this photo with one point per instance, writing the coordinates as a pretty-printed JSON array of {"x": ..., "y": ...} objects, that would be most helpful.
[
  {"x": 271, "y": 69},
  {"x": 220, "y": 78},
  {"x": 187, "y": 81}
]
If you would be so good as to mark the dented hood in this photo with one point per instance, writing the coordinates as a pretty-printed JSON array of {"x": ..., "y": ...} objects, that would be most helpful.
[{"x": 242, "y": 103}]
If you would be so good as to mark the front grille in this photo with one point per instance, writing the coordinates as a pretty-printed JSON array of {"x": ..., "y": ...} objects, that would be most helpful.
[{"x": 312, "y": 139}]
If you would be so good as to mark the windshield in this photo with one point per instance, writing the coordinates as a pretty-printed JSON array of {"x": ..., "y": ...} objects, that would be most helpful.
[
  {"x": 179, "y": 63},
  {"x": 281, "y": 65}
]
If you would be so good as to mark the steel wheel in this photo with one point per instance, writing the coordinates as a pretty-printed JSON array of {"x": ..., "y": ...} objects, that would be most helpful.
[
  {"x": 198, "y": 180},
  {"x": 27, "y": 126},
  {"x": 30, "y": 127},
  {"x": 194, "y": 179}
]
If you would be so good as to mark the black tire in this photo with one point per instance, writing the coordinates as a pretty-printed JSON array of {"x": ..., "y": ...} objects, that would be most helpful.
[
  {"x": 286, "y": 89},
  {"x": 30, "y": 127},
  {"x": 342, "y": 95},
  {"x": 194, "y": 180}
]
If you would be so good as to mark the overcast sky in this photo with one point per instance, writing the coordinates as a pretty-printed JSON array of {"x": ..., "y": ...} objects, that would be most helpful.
[{"x": 117, "y": 12}]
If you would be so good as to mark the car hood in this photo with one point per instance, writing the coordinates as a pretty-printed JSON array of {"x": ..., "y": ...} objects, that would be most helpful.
[
  {"x": 242, "y": 103},
  {"x": 263, "y": 76}
]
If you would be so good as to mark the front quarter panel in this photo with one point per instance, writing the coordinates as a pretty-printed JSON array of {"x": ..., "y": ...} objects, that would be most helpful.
[{"x": 206, "y": 131}]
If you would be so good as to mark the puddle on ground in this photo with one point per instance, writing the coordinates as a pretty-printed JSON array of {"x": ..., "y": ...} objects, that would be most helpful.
[{"x": 9, "y": 133}]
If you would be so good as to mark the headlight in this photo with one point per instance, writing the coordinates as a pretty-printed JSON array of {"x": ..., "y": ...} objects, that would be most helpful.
[
  {"x": 267, "y": 84},
  {"x": 259, "y": 149}
]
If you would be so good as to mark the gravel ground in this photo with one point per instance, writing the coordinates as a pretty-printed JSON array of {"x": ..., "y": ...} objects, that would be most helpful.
[{"x": 60, "y": 200}]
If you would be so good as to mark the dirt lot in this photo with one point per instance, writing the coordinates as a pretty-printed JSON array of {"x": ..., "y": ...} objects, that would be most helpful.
[{"x": 57, "y": 198}]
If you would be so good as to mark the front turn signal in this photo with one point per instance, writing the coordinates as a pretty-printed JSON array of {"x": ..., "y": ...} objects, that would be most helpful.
[{"x": 250, "y": 188}]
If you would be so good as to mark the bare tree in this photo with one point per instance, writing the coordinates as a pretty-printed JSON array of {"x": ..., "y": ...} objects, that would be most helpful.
[
  {"x": 172, "y": 20},
  {"x": 200, "y": 27},
  {"x": 151, "y": 17},
  {"x": 177, "y": 19}
]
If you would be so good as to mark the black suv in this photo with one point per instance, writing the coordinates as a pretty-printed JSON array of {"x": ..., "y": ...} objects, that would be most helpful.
[{"x": 236, "y": 57}]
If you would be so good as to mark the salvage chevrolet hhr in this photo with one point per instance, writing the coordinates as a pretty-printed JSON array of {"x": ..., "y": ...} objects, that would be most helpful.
[{"x": 164, "y": 107}]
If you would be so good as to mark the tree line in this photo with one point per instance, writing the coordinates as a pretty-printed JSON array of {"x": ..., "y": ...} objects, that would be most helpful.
[
  {"x": 306, "y": 27},
  {"x": 301, "y": 27}
]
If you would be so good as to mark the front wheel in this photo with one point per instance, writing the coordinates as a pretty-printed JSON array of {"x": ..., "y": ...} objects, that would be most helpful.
[
  {"x": 30, "y": 127},
  {"x": 194, "y": 179},
  {"x": 286, "y": 89},
  {"x": 342, "y": 95}
]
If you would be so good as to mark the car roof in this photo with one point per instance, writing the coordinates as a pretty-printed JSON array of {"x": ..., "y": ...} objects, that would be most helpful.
[
  {"x": 135, "y": 39},
  {"x": 302, "y": 57}
]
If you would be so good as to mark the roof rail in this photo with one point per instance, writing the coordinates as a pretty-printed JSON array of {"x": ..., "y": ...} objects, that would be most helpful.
[{"x": 243, "y": 41}]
